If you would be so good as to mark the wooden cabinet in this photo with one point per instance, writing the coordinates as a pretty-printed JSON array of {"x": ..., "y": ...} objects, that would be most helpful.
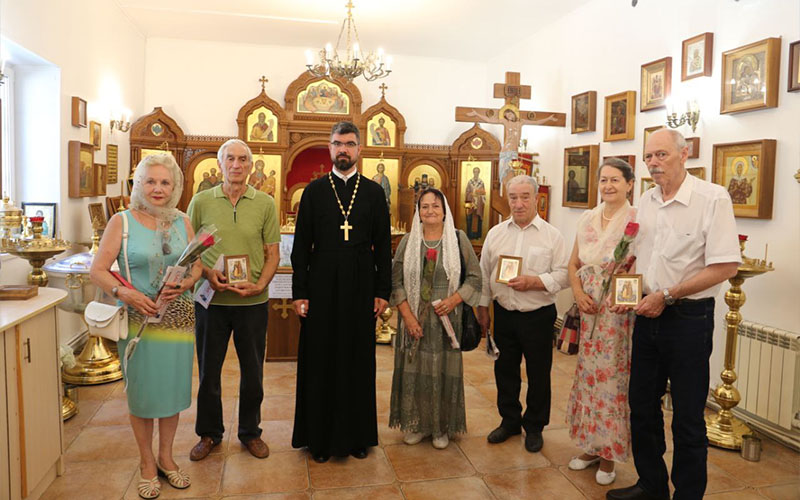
[{"x": 30, "y": 396}]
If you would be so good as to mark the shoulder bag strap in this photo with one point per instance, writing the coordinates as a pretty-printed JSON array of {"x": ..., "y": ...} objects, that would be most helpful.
[{"x": 125, "y": 244}]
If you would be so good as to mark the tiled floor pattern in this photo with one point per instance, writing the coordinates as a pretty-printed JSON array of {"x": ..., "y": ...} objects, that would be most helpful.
[{"x": 101, "y": 455}]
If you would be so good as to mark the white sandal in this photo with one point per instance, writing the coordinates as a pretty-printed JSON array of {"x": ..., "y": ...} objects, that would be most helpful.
[
  {"x": 605, "y": 478},
  {"x": 148, "y": 488},
  {"x": 176, "y": 478},
  {"x": 577, "y": 463}
]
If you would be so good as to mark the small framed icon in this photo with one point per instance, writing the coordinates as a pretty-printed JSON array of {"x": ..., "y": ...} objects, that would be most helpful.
[
  {"x": 508, "y": 268},
  {"x": 626, "y": 289},
  {"x": 237, "y": 268}
]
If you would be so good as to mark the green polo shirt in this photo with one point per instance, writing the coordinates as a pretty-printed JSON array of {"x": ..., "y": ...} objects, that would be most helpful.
[{"x": 242, "y": 230}]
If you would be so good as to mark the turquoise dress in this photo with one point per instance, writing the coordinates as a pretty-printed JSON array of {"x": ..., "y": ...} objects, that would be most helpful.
[{"x": 159, "y": 375}]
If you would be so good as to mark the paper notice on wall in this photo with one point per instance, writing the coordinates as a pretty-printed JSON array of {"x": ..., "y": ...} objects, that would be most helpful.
[
  {"x": 280, "y": 287},
  {"x": 204, "y": 292}
]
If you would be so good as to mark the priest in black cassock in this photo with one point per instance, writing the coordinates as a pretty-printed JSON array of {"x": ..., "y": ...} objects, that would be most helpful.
[{"x": 342, "y": 281}]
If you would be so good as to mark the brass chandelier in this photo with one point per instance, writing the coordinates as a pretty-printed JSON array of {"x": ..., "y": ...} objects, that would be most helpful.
[{"x": 355, "y": 61}]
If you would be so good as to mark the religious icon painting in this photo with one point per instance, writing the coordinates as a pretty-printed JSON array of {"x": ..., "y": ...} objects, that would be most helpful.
[
  {"x": 323, "y": 96},
  {"x": 287, "y": 243},
  {"x": 508, "y": 268},
  {"x": 385, "y": 172},
  {"x": 696, "y": 56},
  {"x": 580, "y": 176},
  {"x": 620, "y": 115},
  {"x": 156, "y": 129},
  {"x": 423, "y": 176},
  {"x": 656, "y": 84},
  {"x": 630, "y": 160},
  {"x": 262, "y": 125},
  {"x": 794, "y": 67},
  {"x": 693, "y": 143},
  {"x": 206, "y": 174},
  {"x": 101, "y": 171},
  {"x": 750, "y": 76},
  {"x": 265, "y": 176},
  {"x": 647, "y": 183},
  {"x": 699, "y": 172},
  {"x": 381, "y": 131},
  {"x": 46, "y": 210},
  {"x": 295, "y": 194},
  {"x": 97, "y": 216},
  {"x": 584, "y": 112},
  {"x": 79, "y": 112},
  {"x": 747, "y": 171},
  {"x": 95, "y": 138},
  {"x": 626, "y": 289},
  {"x": 82, "y": 176},
  {"x": 475, "y": 182},
  {"x": 647, "y": 132},
  {"x": 237, "y": 268}
]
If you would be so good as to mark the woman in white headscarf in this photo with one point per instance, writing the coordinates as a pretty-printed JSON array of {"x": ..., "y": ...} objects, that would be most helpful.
[
  {"x": 159, "y": 376},
  {"x": 428, "y": 387}
]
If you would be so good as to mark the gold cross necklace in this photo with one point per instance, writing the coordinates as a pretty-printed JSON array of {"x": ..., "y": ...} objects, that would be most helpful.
[{"x": 346, "y": 227}]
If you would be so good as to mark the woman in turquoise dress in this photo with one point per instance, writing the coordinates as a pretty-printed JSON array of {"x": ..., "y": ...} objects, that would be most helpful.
[{"x": 159, "y": 374}]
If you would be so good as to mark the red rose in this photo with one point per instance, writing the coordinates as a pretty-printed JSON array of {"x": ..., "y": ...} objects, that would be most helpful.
[
  {"x": 208, "y": 241},
  {"x": 431, "y": 254},
  {"x": 631, "y": 229},
  {"x": 36, "y": 219},
  {"x": 742, "y": 237}
]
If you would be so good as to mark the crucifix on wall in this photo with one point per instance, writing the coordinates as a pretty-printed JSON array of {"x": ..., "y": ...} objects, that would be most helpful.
[{"x": 512, "y": 120}]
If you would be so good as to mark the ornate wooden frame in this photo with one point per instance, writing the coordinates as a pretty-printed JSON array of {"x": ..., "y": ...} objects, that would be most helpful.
[
  {"x": 769, "y": 77},
  {"x": 591, "y": 189},
  {"x": 708, "y": 51},
  {"x": 646, "y": 102},
  {"x": 629, "y": 97}
]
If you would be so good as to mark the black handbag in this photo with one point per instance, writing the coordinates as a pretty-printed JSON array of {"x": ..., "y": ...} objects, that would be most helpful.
[{"x": 470, "y": 328}]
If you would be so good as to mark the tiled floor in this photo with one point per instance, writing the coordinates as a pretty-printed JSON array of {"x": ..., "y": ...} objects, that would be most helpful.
[{"x": 101, "y": 456}]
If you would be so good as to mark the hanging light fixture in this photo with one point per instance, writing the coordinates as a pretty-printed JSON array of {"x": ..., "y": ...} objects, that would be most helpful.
[{"x": 354, "y": 62}]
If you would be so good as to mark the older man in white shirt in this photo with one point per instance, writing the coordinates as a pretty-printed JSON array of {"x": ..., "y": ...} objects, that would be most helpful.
[
  {"x": 524, "y": 311},
  {"x": 687, "y": 246}
]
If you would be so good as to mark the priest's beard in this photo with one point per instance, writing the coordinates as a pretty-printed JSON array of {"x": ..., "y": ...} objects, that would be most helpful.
[{"x": 343, "y": 163}]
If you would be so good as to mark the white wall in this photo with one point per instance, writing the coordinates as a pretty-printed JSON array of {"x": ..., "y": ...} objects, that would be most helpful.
[
  {"x": 602, "y": 47},
  {"x": 203, "y": 84}
]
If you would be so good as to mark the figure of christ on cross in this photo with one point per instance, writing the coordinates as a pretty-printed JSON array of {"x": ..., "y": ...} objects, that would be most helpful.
[{"x": 512, "y": 120}]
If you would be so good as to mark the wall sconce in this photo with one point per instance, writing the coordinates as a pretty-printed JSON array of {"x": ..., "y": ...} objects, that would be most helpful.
[
  {"x": 122, "y": 123},
  {"x": 690, "y": 117}
]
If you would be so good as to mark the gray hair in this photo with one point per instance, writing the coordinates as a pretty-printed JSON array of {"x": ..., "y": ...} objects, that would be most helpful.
[
  {"x": 342, "y": 128},
  {"x": 167, "y": 161},
  {"x": 677, "y": 137},
  {"x": 230, "y": 142},
  {"x": 524, "y": 179}
]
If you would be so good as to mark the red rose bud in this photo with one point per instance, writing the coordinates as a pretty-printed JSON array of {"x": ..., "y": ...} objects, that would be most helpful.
[
  {"x": 631, "y": 229},
  {"x": 742, "y": 237},
  {"x": 36, "y": 219},
  {"x": 431, "y": 254},
  {"x": 208, "y": 241}
]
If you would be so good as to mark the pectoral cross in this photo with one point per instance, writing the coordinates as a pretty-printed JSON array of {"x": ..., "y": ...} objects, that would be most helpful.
[{"x": 346, "y": 227}]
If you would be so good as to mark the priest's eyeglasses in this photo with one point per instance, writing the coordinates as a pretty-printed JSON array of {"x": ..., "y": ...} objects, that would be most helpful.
[{"x": 348, "y": 144}]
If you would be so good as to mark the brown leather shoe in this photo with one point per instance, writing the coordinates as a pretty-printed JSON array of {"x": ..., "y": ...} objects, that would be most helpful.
[
  {"x": 202, "y": 449},
  {"x": 257, "y": 448}
]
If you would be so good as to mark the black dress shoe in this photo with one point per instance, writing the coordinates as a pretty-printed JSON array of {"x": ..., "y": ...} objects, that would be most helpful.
[
  {"x": 533, "y": 441},
  {"x": 634, "y": 492},
  {"x": 360, "y": 453},
  {"x": 320, "y": 458},
  {"x": 501, "y": 434}
]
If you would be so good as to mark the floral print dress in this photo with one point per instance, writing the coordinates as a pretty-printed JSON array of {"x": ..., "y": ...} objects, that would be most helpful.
[{"x": 598, "y": 411}]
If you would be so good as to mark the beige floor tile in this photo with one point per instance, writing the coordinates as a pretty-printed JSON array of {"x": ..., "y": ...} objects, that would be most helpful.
[
  {"x": 544, "y": 483},
  {"x": 558, "y": 447},
  {"x": 189, "y": 415},
  {"x": 790, "y": 491},
  {"x": 465, "y": 488},
  {"x": 487, "y": 457},
  {"x": 282, "y": 472},
  {"x": 585, "y": 480},
  {"x": 97, "y": 392},
  {"x": 72, "y": 427},
  {"x": 420, "y": 462},
  {"x": 298, "y": 495},
  {"x": 482, "y": 421},
  {"x": 103, "y": 443},
  {"x": 748, "y": 494},
  {"x": 718, "y": 480},
  {"x": 111, "y": 412},
  {"x": 474, "y": 398},
  {"x": 478, "y": 371},
  {"x": 781, "y": 468},
  {"x": 277, "y": 434},
  {"x": 384, "y": 359},
  {"x": 383, "y": 403},
  {"x": 386, "y": 434},
  {"x": 276, "y": 385},
  {"x": 93, "y": 480},
  {"x": 351, "y": 472},
  {"x": 488, "y": 391},
  {"x": 280, "y": 368},
  {"x": 385, "y": 492},
  {"x": 557, "y": 419},
  {"x": 205, "y": 475},
  {"x": 278, "y": 407},
  {"x": 383, "y": 381}
]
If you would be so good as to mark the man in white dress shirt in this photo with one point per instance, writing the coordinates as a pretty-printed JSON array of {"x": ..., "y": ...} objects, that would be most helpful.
[
  {"x": 524, "y": 311},
  {"x": 687, "y": 245}
]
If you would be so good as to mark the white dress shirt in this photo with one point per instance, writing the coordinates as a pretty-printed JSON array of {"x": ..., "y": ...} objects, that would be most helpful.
[
  {"x": 543, "y": 253},
  {"x": 680, "y": 237}
]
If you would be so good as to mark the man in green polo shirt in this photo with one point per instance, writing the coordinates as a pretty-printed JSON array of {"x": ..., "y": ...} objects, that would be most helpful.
[{"x": 247, "y": 224}]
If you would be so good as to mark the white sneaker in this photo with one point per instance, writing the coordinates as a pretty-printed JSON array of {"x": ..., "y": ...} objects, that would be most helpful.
[
  {"x": 577, "y": 463},
  {"x": 605, "y": 478},
  {"x": 413, "y": 437},
  {"x": 441, "y": 442}
]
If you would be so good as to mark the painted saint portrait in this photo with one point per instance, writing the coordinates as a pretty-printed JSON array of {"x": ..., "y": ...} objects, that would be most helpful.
[
  {"x": 385, "y": 172},
  {"x": 748, "y": 76},
  {"x": 619, "y": 113},
  {"x": 323, "y": 97},
  {"x": 266, "y": 174},
  {"x": 206, "y": 175},
  {"x": 473, "y": 212},
  {"x": 743, "y": 181},
  {"x": 381, "y": 130},
  {"x": 262, "y": 126}
]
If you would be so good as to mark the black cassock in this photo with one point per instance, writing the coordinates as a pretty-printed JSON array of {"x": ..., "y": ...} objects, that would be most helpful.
[{"x": 335, "y": 406}]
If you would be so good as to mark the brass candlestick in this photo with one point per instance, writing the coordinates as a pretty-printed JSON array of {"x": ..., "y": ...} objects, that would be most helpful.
[
  {"x": 384, "y": 332},
  {"x": 723, "y": 429}
]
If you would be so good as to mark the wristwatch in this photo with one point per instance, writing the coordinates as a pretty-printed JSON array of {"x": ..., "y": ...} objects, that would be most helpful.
[
  {"x": 114, "y": 290},
  {"x": 668, "y": 299}
]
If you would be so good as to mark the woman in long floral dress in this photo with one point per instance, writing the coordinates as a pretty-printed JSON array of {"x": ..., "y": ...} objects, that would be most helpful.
[{"x": 598, "y": 412}]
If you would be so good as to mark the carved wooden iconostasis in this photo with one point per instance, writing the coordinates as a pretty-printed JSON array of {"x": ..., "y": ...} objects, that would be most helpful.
[{"x": 290, "y": 149}]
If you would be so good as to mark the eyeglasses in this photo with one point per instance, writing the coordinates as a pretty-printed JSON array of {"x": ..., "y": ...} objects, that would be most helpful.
[{"x": 348, "y": 145}]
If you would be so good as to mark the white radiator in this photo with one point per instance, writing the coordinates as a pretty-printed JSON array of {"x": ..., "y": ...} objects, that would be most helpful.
[{"x": 769, "y": 373}]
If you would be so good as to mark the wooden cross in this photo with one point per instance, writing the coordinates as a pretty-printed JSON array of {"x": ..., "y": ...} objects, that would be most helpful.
[
  {"x": 263, "y": 81},
  {"x": 383, "y": 88},
  {"x": 284, "y": 306},
  {"x": 346, "y": 227},
  {"x": 322, "y": 172}
]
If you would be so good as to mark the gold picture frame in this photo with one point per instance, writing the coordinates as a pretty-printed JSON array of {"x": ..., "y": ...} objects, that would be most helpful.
[
  {"x": 508, "y": 268},
  {"x": 237, "y": 268},
  {"x": 794, "y": 67},
  {"x": 580, "y": 176},
  {"x": 646, "y": 135},
  {"x": 750, "y": 76},
  {"x": 747, "y": 171},
  {"x": 95, "y": 134},
  {"x": 101, "y": 173},
  {"x": 82, "y": 174},
  {"x": 96, "y": 212},
  {"x": 584, "y": 112},
  {"x": 696, "y": 56},
  {"x": 656, "y": 84},
  {"x": 626, "y": 289},
  {"x": 699, "y": 172},
  {"x": 620, "y": 116},
  {"x": 78, "y": 112},
  {"x": 694, "y": 147}
]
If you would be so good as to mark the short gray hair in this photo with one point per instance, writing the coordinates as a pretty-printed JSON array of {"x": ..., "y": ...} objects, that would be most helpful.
[
  {"x": 677, "y": 137},
  {"x": 524, "y": 179},
  {"x": 227, "y": 144},
  {"x": 167, "y": 161}
]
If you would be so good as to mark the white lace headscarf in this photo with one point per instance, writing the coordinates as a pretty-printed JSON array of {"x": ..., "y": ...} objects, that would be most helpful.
[
  {"x": 449, "y": 256},
  {"x": 165, "y": 215}
]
